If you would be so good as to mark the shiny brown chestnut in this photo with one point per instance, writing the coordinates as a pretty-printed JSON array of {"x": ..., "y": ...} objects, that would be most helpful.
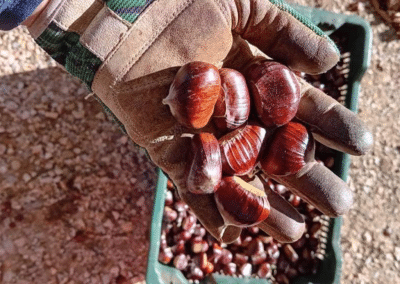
[
  {"x": 193, "y": 94},
  {"x": 275, "y": 91},
  {"x": 180, "y": 261},
  {"x": 240, "y": 149},
  {"x": 290, "y": 253},
  {"x": 240, "y": 259},
  {"x": 246, "y": 269},
  {"x": 165, "y": 256},
  {"x": 233, "y": 105},
  {"x": 291, "y": 148},
  {"x": 230, "y": 269},
  {"x": 226, "y": 256},
  {"x": 206, "y": 169},
  {"x": 195, "y": 273},
  {"x": 169, "y": 198},
  {"x": 240, "y": 203},
  {"x": 264, "y": 270}
]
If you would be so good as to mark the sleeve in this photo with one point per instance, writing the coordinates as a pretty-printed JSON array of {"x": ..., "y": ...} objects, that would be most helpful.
[{"x": 14, "y": 12}]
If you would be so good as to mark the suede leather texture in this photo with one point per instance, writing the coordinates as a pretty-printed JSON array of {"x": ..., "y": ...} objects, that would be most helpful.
[
  {"x": 137, "y": 73},
  {"x": 141, "y": 60}
]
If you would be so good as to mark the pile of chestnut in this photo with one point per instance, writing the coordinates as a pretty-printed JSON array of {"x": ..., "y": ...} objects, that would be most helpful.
[
  {"x": 243, "y": 141},
  {"x": 236, "y": 149},
  {"x": 187, "y": 246}
]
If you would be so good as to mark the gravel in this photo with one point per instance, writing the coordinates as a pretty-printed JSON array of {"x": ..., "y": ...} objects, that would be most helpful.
[{"x": 76, "y": 195}]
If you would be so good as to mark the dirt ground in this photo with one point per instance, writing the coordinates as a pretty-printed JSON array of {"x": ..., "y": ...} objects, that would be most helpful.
[{"x": 75, "y": 194}]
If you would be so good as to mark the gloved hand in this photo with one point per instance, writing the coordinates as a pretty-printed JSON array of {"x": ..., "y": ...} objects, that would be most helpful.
[{"x": 140, "y": 60}]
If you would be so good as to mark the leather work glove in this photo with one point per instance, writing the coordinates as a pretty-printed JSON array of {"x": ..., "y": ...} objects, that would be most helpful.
[{"x": 132, "y": 49}]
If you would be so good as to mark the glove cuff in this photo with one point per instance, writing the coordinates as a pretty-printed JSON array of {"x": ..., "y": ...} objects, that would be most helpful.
[{"x": 45, "y": 18}]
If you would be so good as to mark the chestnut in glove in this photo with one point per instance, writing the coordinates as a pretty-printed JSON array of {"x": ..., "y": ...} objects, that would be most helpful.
[
  {"x": 193, "y": 94},
  {"x": 233, "y": 105},
  {"x": 275, "y": 91},
  {"x": 131, "y": 62}
]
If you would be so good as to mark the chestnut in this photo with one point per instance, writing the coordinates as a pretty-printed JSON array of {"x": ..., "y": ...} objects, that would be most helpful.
[
  {"x": 182, "y": 235},
  {"x": 246, "y": 269},
  {"x": 169, "y": 198},
  {"x": 165, "y": 256},
  {"x": 273, "y": 253},
  {"x": 199, "y": 231},
  {"x": 240, "y": 259},
  {"x": 206, "y": 169},
  {"x": 216, "y": 252},
  {"x": 290, "y": 253},
  {"x": 198, "y": 245},
  {"x": 189, "y": 223},
  {"x": 193, "y": 94},
  {"x": 180, "y": 261},
  {"x": 195, "y": 273},
  {"x": 258, "y": 258},
  {"x": 240, "y": 149},
  {"x": 314, "y": 228},
  {"x": 201, "y": 260},
  {"x": 170, "y": 185},
  {"x": 233, "y": 105},
  {"x": 275, "y": 91},
  {"x": 255, "y": 247},
  {"x": 181, "y": 206},
  {"x": 291, "y": 148},
  {"x": 179, "y": 247},
  {"x": 294, "y": 200},
  {"x": 264, "y": 270},
  {"x": 230, "y": 269},
  {"x": 253, "y": 230},
  {"x": 240, "y": 203},
  {"x": 226, "y": 256},
  {"x": 246, "y": 241},
  {"x": 170, "y": 214},
  {"x": 282, "y": 279},
  {"x": 209, "y": 268}
]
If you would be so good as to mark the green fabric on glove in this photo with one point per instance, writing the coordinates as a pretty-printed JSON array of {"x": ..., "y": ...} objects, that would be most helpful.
[{"x": 128, "y": 9}]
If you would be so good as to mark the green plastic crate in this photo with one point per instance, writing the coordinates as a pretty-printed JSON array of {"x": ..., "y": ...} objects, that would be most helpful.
[{"x": 359, "y": 34}]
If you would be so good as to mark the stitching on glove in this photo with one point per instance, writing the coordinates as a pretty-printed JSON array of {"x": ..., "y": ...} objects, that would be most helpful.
[
  {"x": 137, "y": 86},
  {"x": 36, "y": 30},
  {"x": 130, "y": 89},
  {"x": 121, "y": 43},
  {"x": 223, "y": 11},
  {"x": 116, "y": 16},
  {"x": 171, "y": 167},
  {"x": 130, "y": 64},
  {"x": 168, "y": 21},
  {"x": 105, "y": 12},
  {"x": 62, "y": 9}
]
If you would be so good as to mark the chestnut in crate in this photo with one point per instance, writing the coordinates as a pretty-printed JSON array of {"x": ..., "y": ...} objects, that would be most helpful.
[{"x": 198, "y": 254}]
